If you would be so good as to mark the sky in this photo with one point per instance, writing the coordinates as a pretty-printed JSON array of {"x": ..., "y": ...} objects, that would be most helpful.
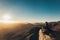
[{"x": 31, "y": 10}]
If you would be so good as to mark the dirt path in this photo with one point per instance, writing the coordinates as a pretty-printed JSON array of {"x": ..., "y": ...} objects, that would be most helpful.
[{"x": 43, "y": 37}]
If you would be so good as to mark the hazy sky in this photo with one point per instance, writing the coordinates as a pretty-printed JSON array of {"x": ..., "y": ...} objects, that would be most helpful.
[{"x": 31, "y": 10}]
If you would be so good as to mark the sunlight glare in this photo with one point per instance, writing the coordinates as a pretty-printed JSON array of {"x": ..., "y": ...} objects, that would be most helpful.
[{"x": 6, "y": 17}]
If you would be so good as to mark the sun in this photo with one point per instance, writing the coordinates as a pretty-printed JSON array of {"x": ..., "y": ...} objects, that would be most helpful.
[{"x": 6, "y": 17}]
